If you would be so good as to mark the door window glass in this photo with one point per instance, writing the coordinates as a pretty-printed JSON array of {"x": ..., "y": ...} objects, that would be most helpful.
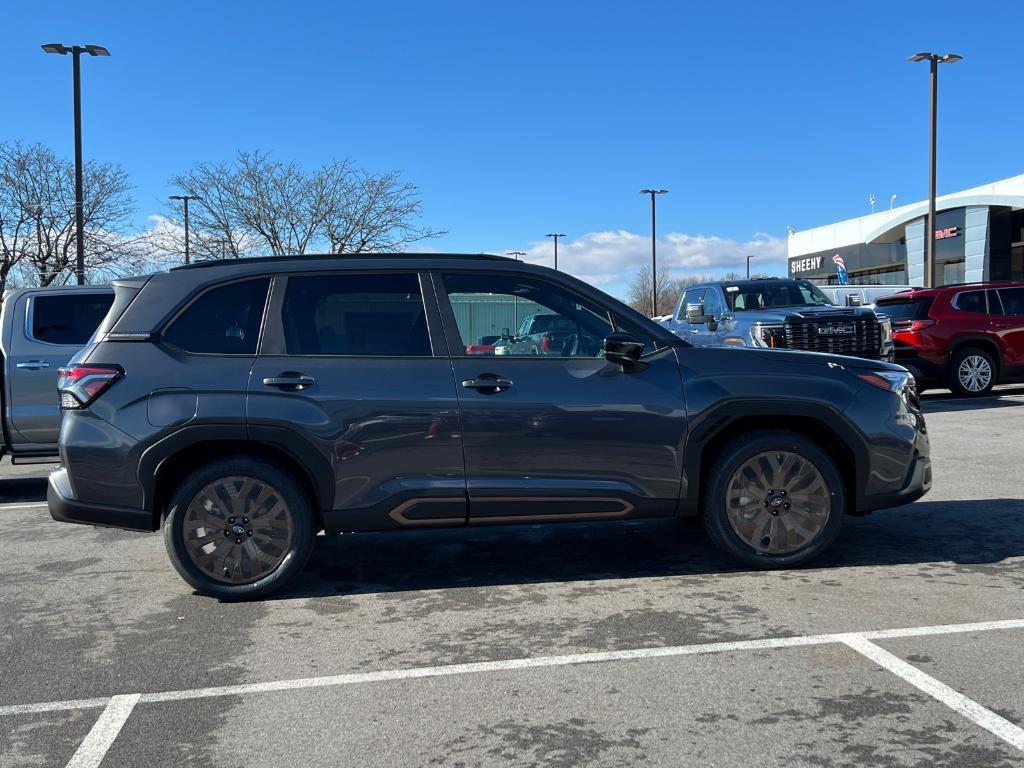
[
  {"x": 222, "y": 321},
  {"x": 1013, "y": 300},
  {"x": 69, "y": 318},
  {"x": 971, "y": 301},
  {"x": 352, "y": 314},
  {"x": 529, "y": 317},
  {"x": 713, "y": 304}
]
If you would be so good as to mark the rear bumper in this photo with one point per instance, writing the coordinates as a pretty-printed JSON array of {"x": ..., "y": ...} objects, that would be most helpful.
[
  {"x": 65, "y": 508},
  {"x": 919, "y": 482},
  {"x": 922, "y": 368}
]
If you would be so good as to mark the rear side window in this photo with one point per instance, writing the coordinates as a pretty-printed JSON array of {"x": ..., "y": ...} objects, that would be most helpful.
[
  {"x": 365, "y": 315},
  {"x": 68, "y": 319},
  {"x": 223, "y": 321},
  {"x": 1013, "y": 300},
  {"x": 971, "y": 301}
]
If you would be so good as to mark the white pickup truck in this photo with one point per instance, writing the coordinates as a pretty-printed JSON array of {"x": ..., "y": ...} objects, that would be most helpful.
[{"x": 40, "y": 330}]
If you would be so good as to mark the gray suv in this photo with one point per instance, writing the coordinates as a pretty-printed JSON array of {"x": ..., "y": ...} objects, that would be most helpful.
[
  {"x": 779, "y": 313},
  {"x": 243, "y": 406}
]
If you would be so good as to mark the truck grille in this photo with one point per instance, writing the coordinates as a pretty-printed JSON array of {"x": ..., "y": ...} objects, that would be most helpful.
[{"x": 854, "y": 336}]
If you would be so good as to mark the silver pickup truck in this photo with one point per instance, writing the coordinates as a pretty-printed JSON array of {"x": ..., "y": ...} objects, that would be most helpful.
[
  {"x": 40, "y": 330},
  {"x": 779, "y": 313}
]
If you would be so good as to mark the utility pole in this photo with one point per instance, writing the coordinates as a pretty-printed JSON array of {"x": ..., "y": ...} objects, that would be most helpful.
[
  {"x": 654, "y": 248},
  {"x": 751, "y": 256},
  {"x": 515, "y": 254},
  {"x": 555, "y": 236},
  {"x": 185, "y": 199}
]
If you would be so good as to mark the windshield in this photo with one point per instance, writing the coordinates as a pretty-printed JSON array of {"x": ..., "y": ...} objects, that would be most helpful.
[{"x": 768, "y": 295}]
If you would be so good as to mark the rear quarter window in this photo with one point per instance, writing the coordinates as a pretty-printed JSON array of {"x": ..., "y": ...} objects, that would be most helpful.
[
  {"x": 224, "y": 320},
  {"x": 970, "y": 301}
]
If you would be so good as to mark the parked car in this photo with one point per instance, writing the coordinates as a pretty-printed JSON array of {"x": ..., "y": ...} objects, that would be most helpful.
[
  {"x": 40, "y": 330},
  {"x": 485, "y": 346},
  {"x": 778, "y": 313},
  {"x": 548, "y": 334},
  {"x": 967, "y": 337},
  {"x": 243, "y": 406},
  {"x": 859, "y": 295}
]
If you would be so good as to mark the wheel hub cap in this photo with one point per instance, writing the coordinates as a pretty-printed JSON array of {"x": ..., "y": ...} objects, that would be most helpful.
[
  {"x": 777, "y": 502},
  {"x": 237, "y": 530}
]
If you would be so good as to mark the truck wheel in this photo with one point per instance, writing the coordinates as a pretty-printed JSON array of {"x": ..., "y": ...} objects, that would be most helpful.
[
  {"x": 972, "y": 372},
  {"x": 239, "y": 528},
  {"x": 774, "y": 499}
]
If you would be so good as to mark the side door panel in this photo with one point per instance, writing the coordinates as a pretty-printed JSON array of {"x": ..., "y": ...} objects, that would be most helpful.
[
  {"x": 1009, "y": 325},
  {"x": 33, "y": 364},
  {"x": 571, "y": 437},
  {"x": 386, "y": 425}
]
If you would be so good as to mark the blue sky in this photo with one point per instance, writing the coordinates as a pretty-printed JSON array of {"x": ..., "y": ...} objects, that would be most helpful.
[{"x": 521, "y": 118}]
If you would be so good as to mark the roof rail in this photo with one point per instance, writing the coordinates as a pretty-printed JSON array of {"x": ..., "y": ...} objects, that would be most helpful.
[{"x": 329, "y": 256}]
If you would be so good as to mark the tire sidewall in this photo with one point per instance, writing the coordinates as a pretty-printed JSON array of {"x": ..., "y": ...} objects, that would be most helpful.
[
  {"x": 716, "y": 520},
  {"x": 282, "y": 482},
  {"x": 954, "y": 372}
]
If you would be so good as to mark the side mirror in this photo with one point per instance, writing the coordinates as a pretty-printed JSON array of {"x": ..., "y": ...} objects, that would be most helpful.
[
  {"x": 624, "y": 349},
  {"x": 695, "y": 314}
]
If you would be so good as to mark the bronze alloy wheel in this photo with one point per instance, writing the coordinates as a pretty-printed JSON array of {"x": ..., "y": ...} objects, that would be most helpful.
[
  {"x": 777, "y": 502},
  {"x": 237, "y": 530}
]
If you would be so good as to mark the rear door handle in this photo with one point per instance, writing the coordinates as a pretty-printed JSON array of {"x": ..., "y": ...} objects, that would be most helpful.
[
  {"x": 487, "y": 382},
  {"x": 290, "y": 381},
  {"x": 32, "y": 365}
]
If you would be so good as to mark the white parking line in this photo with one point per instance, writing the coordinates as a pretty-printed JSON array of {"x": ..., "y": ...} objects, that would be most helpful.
[
  {"x": 18, "y": 505},
  {"x": 91, "y": 751},
  {"x": 111, "y": 720},
  {"x": 955, "y": 700}
]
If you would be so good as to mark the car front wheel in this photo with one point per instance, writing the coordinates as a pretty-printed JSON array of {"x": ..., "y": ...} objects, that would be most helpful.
[
  {"x": 774, "y": 499},
  {"x": 239, "y": 528},
  {"x": 972, "y": 373}
]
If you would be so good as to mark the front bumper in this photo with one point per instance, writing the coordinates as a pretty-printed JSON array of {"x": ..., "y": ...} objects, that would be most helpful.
[
  {"x": 65, "y": 508},
  {"x": 918, "y": 483}
]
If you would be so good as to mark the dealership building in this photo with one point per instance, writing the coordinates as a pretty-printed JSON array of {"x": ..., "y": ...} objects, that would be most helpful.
[{"x": 979, "y": 235}]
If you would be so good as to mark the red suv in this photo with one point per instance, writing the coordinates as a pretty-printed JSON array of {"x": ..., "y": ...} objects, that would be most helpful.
[{"x": 968, "y": 337}]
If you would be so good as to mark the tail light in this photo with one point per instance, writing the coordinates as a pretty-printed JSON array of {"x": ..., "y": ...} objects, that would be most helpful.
[
  {"x": 905, "y": 326},
  {"x": 80, "y": 385},
  {"x": 545, "y": 343}
]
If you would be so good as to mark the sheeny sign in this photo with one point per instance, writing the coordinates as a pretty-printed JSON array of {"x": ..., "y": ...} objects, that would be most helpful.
[{"x": 796, "y": 266}]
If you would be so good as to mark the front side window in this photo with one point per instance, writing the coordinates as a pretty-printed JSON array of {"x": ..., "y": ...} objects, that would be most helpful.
[
  {"x": 223, "y": 321},
  {"x": 971, "y": 301},
  {"x": 376, "y": 315},
  {"x": 70, "y": 318},
  {"x": 529, "y": 317},
  {"x": 713, "y": 304}
]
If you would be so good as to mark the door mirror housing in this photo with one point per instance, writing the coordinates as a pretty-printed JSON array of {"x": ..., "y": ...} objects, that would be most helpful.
[
  {"x": 695, "y": 314},
  {"x": 624, "y": 349}
]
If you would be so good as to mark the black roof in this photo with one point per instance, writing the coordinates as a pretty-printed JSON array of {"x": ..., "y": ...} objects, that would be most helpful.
[{"x": 334, "y": 256}]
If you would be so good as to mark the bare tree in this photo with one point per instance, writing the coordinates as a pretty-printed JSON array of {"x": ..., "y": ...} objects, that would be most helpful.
[
  {"x": 640, "y": 291},
  {"x": 40, "y": 241},
  {"x": 256, "y": 204}
]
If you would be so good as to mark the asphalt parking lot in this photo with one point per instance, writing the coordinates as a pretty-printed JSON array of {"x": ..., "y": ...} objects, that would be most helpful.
[{"x": 598, "y": 645}]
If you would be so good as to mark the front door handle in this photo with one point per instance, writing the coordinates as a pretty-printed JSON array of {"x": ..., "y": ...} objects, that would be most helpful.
[
  {"x": 487, "y": 383},
  {"x": 290, "y": 381},
  {"x": 32, "y": 365}
]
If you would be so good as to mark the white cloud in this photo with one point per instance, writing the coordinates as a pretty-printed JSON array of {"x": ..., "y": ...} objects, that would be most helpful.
[{"x": 610, "y": 259}]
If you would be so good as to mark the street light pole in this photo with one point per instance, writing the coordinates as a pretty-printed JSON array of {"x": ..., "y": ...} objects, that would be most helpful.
[
  {"x": 555, "y": 236},
  {"x": 185, "y": 199},
  {"x": 76, "y": 52},
  {"x": 934, "y": 60},
  {"x": 748, "y": 264},
  {"x": 654, "y": 247}
]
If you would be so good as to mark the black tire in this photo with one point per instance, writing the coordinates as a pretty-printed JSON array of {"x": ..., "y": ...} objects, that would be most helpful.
[
  {"x": 830, "y": 491},
  {"x": 286, "y": 507},
  {"x": 961, "y": 382}
]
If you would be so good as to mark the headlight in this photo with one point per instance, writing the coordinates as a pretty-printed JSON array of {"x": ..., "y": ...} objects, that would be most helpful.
[
  {"x": 894, "y": 381},
  {"x": 772, "y": 336},
  {"x": 734, "y": 341}
]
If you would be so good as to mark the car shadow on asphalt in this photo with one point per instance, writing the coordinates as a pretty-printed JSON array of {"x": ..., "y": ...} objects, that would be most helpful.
[
  {"x": 944, "y": 403},
  {"x": 26, "y": 489},
  {"x": 970, "y": 533}
]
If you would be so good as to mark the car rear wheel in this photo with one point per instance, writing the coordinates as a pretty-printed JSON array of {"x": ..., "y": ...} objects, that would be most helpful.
[
  {"x": 239, "y": 529},
  {"x": 972, "y": 372},
  {"x": 774, "y": 499}
]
